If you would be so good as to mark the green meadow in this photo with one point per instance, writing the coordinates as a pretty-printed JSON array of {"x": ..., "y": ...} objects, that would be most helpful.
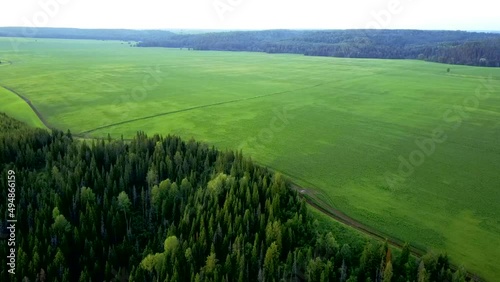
[
  {"x": 17, "y": 108},
  {"x": 403, "y": 146}
]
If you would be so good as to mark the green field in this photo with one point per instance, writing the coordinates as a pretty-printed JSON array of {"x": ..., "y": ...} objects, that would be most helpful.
[
  {"x": 17, "y": 108},
  {"x": 332, "y": 124}
]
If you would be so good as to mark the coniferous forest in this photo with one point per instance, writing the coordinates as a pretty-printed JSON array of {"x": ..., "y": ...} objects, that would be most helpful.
[
  {"x": 164, "y": 209},
  {"x": 451, "y": 47}
]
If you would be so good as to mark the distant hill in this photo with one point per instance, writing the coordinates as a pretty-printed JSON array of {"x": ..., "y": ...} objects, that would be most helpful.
[
  {"x": 452, "y": 47},
  {"x": 194, "y": 31},
  {"x": 75, "y": 33},
  {"x": 487, "y": 31}
]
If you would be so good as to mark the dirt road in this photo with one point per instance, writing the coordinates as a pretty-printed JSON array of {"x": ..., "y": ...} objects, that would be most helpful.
[{"x": 322, "y": 203}]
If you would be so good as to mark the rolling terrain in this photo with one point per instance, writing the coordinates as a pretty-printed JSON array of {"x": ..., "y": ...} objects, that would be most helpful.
[{"x": 406, "y": 147}]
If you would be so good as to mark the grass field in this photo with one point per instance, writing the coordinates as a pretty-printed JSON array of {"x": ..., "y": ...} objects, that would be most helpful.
[
  {"x": 17, "y": 108},
  {"x": 341, "y": 126}
]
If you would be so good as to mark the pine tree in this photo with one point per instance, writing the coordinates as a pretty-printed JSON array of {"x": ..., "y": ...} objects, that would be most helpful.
[
  {"x": 388, "y": 272},
  {"x": 422, "y": 273}
]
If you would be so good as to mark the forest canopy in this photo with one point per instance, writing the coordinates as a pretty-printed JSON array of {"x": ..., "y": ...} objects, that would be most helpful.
[
  {"x": 163, "y": 209},
  {"x": 452, "y": 47}
]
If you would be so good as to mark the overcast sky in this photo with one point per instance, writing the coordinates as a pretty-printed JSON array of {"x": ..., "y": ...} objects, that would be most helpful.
[{"x": 253, "y": 14}]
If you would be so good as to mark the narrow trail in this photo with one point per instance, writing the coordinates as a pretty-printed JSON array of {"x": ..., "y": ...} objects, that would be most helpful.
[
  {"x": 85, "y": 132},
  {"x": 312, "y": 199},
  {"x": 316, "y": 202},
  {"x": 28, "y": 101},
  {"x": 197, "y": 107}
]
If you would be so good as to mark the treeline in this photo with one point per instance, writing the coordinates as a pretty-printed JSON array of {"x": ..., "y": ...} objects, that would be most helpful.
[
  {"x": 75, "y": 33},
  {"x": 162, "y": 209},
  {"x": 453, "y": 47}
]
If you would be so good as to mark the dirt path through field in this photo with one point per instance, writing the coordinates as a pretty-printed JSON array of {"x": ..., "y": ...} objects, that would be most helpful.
[
  {"x": 320, "y": 201},
  {"x": 196, "y": 108},
  {"x": 35, "y": 110},
  {"x": 317, "y": 201}
]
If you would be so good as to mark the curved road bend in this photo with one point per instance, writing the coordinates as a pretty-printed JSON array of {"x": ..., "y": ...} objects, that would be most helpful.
[{"x": 319, "y": 204}]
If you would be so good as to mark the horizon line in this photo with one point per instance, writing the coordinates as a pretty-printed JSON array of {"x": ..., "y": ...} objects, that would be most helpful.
[{"x": 244, "y": 29}]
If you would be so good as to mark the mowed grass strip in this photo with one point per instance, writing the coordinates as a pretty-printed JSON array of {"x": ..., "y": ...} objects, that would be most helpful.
[{"x": 340, "y": 126}]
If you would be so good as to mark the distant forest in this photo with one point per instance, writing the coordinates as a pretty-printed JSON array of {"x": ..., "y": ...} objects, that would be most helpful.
[
  {"x": 451, "y": 47},
  {"x": 75, "y": 33},
  {"x": 163, "y": 209}
]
